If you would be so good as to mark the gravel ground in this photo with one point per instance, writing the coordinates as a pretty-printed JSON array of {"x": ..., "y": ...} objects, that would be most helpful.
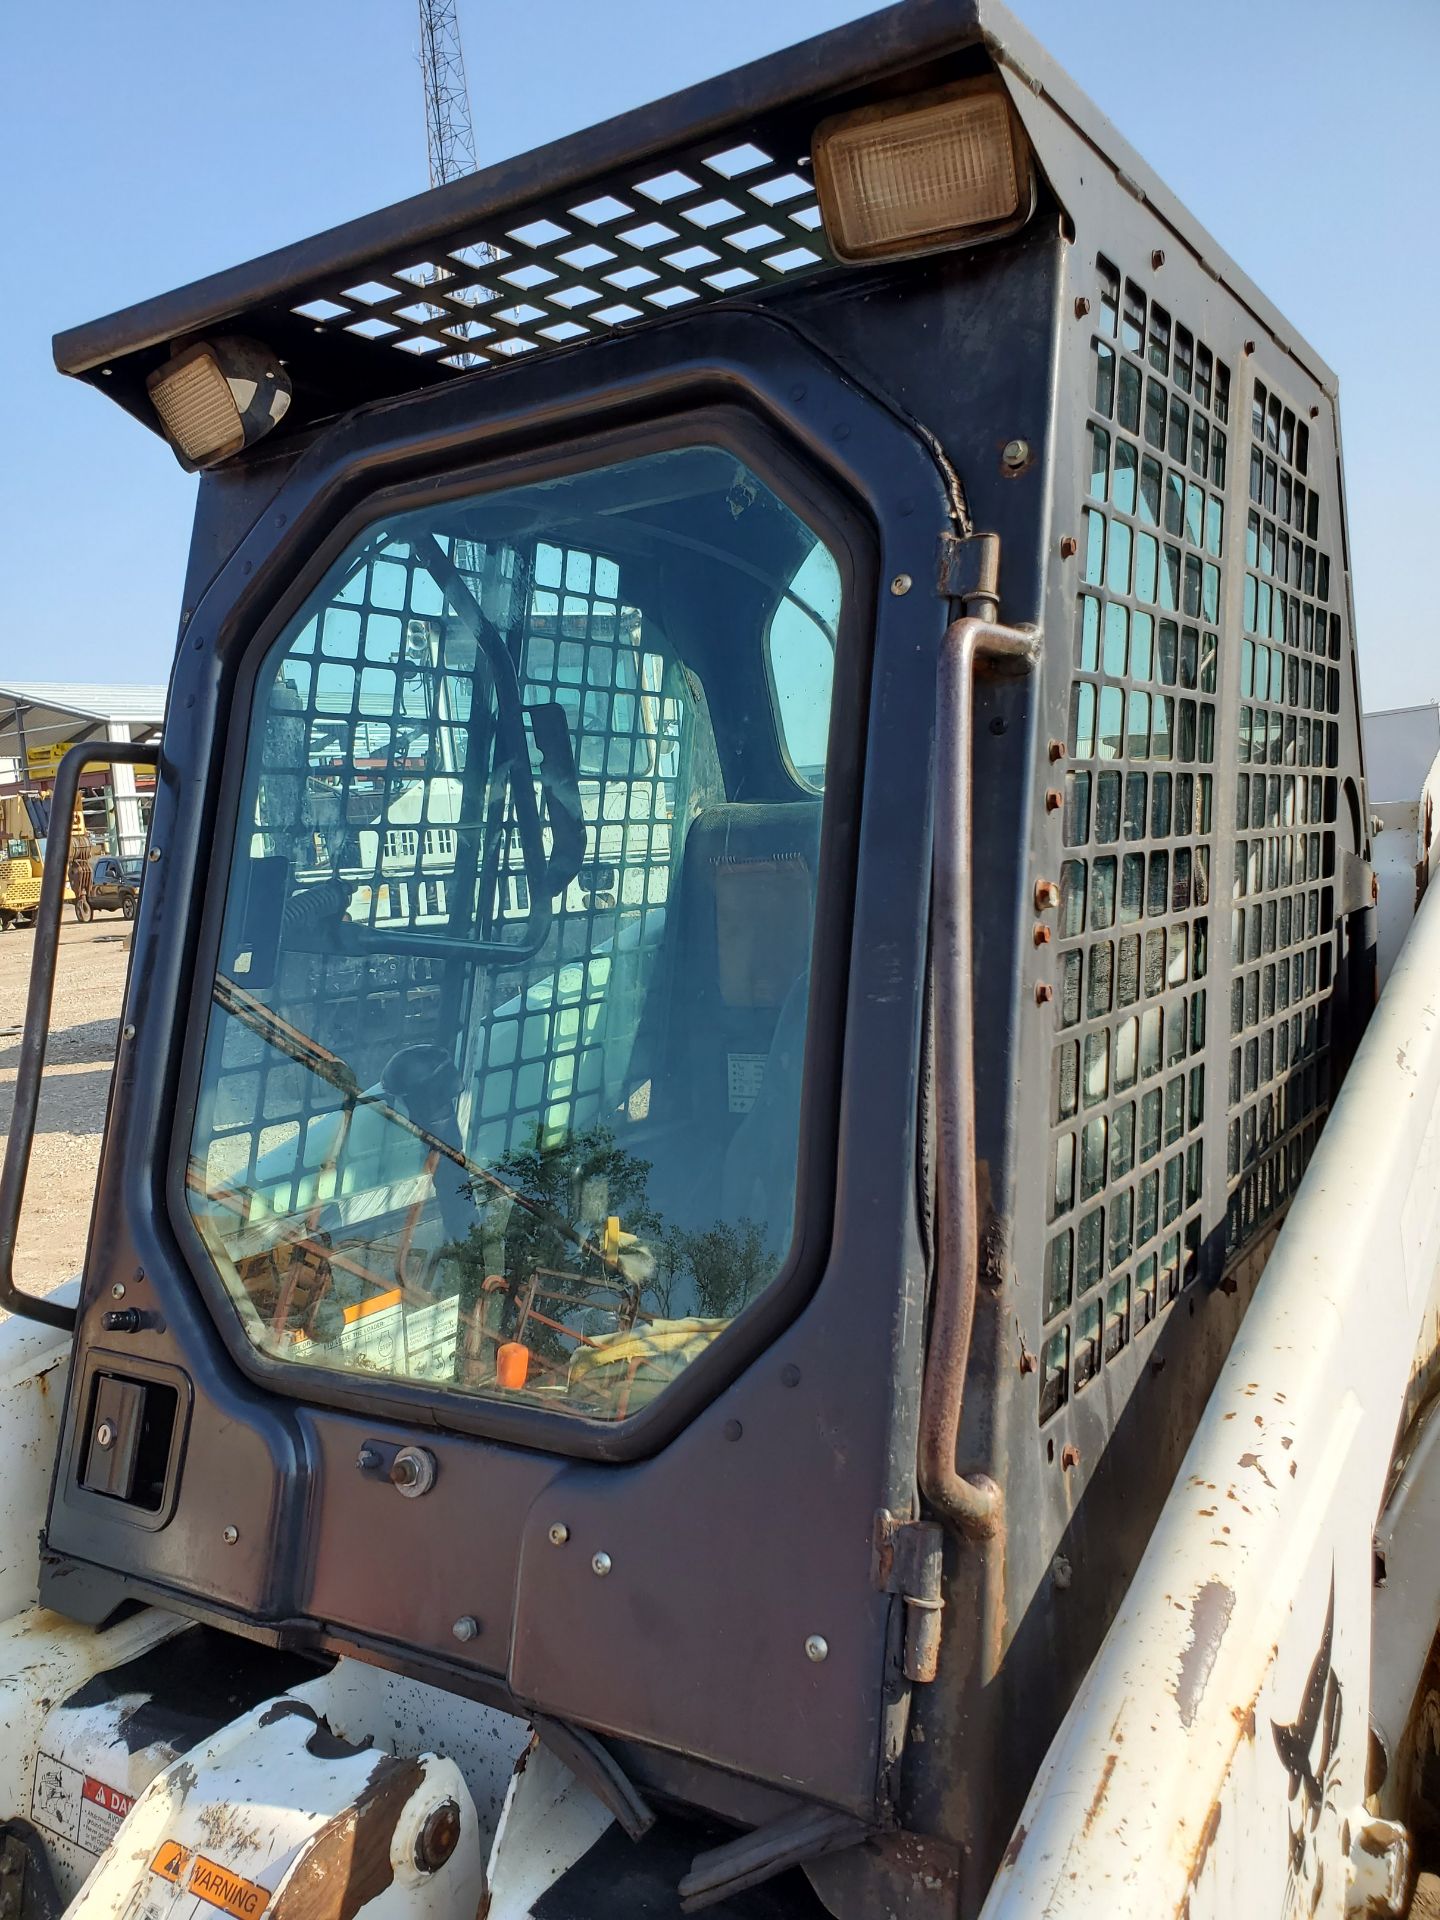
[{"x": 84, "y": 1021}]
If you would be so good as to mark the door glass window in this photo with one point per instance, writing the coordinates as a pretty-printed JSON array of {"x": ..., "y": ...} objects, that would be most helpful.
[
  {"x": 501, "y": 1085},
  {"x": 801, "y": 644}
]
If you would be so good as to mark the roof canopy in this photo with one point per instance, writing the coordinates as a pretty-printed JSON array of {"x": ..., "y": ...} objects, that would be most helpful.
[
  {"x": 43, "y": 714},
  {"x": 704, "y": 196}
]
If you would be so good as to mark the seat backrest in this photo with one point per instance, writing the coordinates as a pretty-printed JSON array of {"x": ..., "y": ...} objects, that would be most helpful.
[{"x": 742, "y": 942}]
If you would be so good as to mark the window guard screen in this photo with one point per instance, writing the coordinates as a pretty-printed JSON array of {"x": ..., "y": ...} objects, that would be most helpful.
[{"x": 501, "y": 1086}]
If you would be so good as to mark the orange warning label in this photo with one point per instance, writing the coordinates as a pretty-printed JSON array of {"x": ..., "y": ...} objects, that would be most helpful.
[
  {"x": 171, "y": 1861},
  {"x": 216, "y": 1885}
]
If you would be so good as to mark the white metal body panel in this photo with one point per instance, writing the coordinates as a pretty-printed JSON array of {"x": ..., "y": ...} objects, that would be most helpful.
[
  {"x": 549, "y": 1821},
  {"x": 43, "y": 1660},
  {"x": 34, "y": 1360},
  {"x": 272, "y": 1815},
  {"x": 1214, "y": 1761}
]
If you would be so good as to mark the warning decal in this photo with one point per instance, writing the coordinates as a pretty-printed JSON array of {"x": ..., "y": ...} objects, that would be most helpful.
[
  {"x": 76, "y": 1806},
  {"x": 102, "y": 1809},
  {"x": 216, "y": 1885},
  {"x": 171, "y": 1861}
]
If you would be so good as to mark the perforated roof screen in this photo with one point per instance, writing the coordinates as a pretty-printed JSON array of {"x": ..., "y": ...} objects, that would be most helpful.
[{"x": 729, "y": 220}]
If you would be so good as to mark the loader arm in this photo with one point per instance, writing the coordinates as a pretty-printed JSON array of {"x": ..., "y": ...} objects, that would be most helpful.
[{"x": 1219, "y": 1755}]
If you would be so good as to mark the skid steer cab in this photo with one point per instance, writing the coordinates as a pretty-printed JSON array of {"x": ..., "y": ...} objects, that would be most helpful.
[{"x": 756, "y": 905}]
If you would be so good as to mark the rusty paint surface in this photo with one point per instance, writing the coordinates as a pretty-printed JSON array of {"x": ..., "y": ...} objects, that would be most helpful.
[
  {"x": 1106, "y": 1773},
  {"x": 1205, "y": 1842},
  {"x": 348, "y": 1863},
  {"x": 1209, "y": 1617}
]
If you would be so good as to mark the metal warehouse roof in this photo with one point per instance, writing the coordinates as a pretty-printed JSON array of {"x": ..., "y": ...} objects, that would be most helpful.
[{"x": 53, "y": 710}]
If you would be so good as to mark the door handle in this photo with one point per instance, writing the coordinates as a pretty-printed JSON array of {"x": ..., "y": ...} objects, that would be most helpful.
[{"x": 970, "y": 1502}]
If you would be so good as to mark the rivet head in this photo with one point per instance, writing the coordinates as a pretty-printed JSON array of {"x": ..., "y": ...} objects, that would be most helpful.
[
  {"x": 466, "y": 1627},
  {"x": 230, "y": 1535},
  {"x": 732, "y": 1429},
  {"x": 1157, "y": 258},
  {"x": 154, "y": 854},
  {"x": 1082, "y": 307},
  {"x": 1069, "y": 1456},
  {"x": 600, "y": 1565},
  {"x": 438, "y": 1837},
  {"x": 790, "y": 1375},
  {"x": 105, "y": 1435},
  {"x": 817, "y": 1648},
  {"x": 1069, "y": 546},
  {"x": 901, "y": 584},
  {"x": 1047, "y": 895},
  {"x": 117, "y": 1292},
  {"x": 127, "y": 1033},
  {"x": 1042, "y": 935},
  {"x": 1054, "y": 800},
  {"x": 559, "y": 1534},
  {"x": 1014, "y": 454},
  {"x": 1044, "y": 993}
]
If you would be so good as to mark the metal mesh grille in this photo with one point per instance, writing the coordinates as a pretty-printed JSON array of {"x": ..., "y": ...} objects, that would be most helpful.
[
  {"x": 718, "y": 222},
  {"x": 1128, "y": 1094},
  {"x": 366, "y": 734},
  {"x": 1286, "y": 798},
  {"x": 591, "y": 654},
  {"x": 347, "y": 728}
]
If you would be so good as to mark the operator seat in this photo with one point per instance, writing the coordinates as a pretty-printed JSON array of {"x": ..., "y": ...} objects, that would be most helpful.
[{"x": 737, "y": 1004}]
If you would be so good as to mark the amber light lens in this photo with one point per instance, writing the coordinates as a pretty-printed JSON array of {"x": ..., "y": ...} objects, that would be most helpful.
[
  {"x": 198, "y": 410},
  {"x": 917, "y": 177},
  {"x": 217, "y": 397}
]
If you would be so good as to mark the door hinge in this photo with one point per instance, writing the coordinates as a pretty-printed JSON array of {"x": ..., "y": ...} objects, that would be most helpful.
[
  {"x": 908, "y": 1560},
  {"x": 968, "y": 568}
]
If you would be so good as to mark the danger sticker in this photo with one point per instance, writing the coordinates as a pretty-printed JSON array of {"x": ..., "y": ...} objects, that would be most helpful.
[
  {"x": 76, "y": 1806},
  {"x": 218, "y": 1887},
  {"x": 102, "y": 1808}
]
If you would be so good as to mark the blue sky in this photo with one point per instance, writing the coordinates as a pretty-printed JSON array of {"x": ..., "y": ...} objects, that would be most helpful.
[{"x": 143, "y": 147}]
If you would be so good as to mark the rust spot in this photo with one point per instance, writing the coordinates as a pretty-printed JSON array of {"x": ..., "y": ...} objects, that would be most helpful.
[
  {"x": 347, "y": 1865},
  {"x": 1012, "y": 1852},
  {"x": 1253, "y": 1460},
  {"x": 1209, "y": 1617},
  {"x": 1101, "y": 1790},
  {"x": 1205, "y": 1842},
  {"x": 1245, "y": 1716}
]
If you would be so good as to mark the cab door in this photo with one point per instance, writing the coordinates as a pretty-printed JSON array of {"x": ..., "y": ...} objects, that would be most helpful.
[{"x": 518, "y": 1179}]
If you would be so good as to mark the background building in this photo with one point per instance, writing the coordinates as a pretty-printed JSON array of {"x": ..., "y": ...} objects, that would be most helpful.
[{"x": 41, "y": 720}]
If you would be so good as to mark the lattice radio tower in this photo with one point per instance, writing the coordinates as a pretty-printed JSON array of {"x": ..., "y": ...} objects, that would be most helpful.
[
  {"x": 449, "y": 130},
  {"x": 449, "y": 137}
]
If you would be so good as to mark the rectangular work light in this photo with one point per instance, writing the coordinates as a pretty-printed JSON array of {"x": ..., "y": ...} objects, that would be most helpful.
[
  {"x": 914, "y": 176},
  {"x": 217, "y": 397}
]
